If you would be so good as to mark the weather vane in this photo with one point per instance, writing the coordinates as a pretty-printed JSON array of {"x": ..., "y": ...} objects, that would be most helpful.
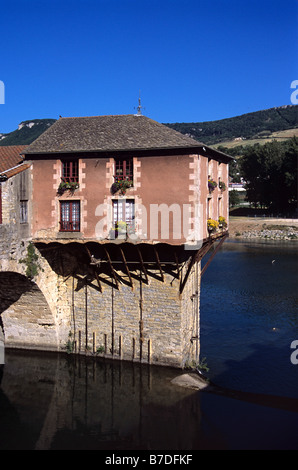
[{"x": 140, "y": 107}]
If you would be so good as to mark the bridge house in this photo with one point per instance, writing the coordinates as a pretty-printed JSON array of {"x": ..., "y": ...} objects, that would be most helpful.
[{"x": 123, "y": 211}]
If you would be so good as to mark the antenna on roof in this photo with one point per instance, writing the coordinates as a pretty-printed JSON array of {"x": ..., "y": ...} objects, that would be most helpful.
[{"x": 139, "y": 108}]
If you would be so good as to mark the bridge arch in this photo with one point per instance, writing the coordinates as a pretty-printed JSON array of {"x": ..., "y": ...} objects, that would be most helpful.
[{"x": 25, "y": 316}]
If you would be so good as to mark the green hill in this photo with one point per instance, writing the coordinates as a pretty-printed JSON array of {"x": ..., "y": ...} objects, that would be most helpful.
[
  {"x": 260, "y": 125},
  {"x": 27, "y": 132},
  {"x": 257, "y": 125}
]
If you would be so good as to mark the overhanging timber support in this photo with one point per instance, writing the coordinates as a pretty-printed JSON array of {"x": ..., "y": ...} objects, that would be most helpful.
[
  {"x": 142, "y": 265},
  {"x": 111, "y": 268},
  {"x": 126, "y": 267},
  {"x": 213, "y": 254},
  {"x": 159, "y": 265},
  {"x": 195, "y": 259},
  {"x": 126, "y": 262},
  {"x": 94, "y": 264}
]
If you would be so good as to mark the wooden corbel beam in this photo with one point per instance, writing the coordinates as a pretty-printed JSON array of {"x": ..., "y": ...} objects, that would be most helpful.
[
  {"x": 126, "y": 267},
  {"x": 94, "y": 269},
  {"x": 112, "y": 268},
  {"x": 213, "y": 254},
  {"x": 158, "y": 264},
  {"x": 197, "y": 256},
  {"x": 142, "y": 264}
]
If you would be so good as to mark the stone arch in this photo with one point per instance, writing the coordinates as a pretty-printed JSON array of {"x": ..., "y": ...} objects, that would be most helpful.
[{"x": 25, "y": 315}]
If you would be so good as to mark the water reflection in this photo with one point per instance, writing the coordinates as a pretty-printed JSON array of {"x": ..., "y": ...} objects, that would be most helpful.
[
  {"x": 52, "y": 402},
  {"x": 62, "y": 402},
  {"x": 248, "y": 320}
]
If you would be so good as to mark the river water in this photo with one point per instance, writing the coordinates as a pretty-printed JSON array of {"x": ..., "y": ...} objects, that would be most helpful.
[{"x": 248, "y": 322}]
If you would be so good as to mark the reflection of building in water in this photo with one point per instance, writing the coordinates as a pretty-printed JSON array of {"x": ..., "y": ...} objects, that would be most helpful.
[{"x": 76, "y": 402}]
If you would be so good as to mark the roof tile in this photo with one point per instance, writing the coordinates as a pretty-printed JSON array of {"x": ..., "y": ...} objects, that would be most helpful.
[
  {"x": 10, "y": 156},
  {"x": 108, "y": 133}
]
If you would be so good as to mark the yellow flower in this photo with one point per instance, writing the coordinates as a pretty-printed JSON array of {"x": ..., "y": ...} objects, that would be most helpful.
[{"x": 212, "y": 224}]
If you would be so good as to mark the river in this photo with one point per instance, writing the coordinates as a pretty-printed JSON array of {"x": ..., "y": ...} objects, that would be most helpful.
[{"x": 248, "y": 322}]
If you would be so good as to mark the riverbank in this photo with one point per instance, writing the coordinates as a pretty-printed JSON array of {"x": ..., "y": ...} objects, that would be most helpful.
[{"x": 263, "y": 228}]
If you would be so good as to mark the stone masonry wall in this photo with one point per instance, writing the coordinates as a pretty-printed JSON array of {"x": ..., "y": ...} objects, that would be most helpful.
[
  {"x": 13, "y": 234},
  {"x": 26, "y": 318},
  {"x": 151, "y": 323}
]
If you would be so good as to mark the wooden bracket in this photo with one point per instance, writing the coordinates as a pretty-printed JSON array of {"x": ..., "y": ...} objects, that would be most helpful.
[
  {"x": 158, "y": 264},
  {"x": 197, "y": 256},
  {"x": 213, "y": 254},
  {"x": 111, "y": 267},
  {"x": 142, "y": 265},
  {"x": 126, "y": 267},
  {"x": 94, "y": 269}
]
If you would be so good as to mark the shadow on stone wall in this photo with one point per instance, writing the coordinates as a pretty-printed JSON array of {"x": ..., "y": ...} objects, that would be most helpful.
[
  {"x": 25, "y": 316},
  {"x": 12, "y": 287}
]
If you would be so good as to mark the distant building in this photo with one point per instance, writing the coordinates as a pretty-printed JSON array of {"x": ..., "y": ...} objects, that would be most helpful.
[{"x": 237, "y": 187}]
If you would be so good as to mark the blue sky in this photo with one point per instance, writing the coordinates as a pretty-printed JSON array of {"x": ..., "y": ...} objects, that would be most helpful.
[{"x": 192, "y": 60}]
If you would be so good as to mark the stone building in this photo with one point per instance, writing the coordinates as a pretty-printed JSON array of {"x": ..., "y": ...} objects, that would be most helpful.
[
  {"x": 15, "y": 194},
  {"x": 123, "y": 211},
  {"x": 15, "y": 208}
]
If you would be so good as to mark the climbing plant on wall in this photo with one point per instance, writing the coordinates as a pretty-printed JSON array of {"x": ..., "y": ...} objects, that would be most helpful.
[{"x": 31, "y": 262}]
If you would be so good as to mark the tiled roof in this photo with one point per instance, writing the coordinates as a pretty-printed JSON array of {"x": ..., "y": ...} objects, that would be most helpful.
[
  {"x": 10, "y": 156},
  {"x": 108, "y": 133},
  {"x": 17, "y": 170}
]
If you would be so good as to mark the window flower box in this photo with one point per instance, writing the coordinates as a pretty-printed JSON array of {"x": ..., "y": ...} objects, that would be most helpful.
[
  {"x": 212, "y": 225},
  {"x": 121, "y": 185},
  {"x": 222, "y": 223},
  {"x": 67, "y": 185},
  {"x": 222, "y": 186},
  {"x": 211, "y": 185}
]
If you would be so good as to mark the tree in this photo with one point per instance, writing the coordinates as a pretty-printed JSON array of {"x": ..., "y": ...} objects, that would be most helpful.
[
  {"x": 234, "y": 198},
  {"x": 271, "y": 175}
]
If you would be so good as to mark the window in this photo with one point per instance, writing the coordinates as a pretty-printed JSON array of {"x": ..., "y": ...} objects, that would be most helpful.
[
  {"x": 69, "y": 216},
  {"x": 124, "y": 211},
  {"x": 23, "y": 212},
  {"x": 70, "y": 171},
  {"x": 220, "y": 210},
  {"x": 123, "y": 169},
  {"x": 209, "y": 208}
]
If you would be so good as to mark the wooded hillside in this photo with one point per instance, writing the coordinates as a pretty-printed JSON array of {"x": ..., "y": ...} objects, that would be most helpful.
[{"x": 259, "y": 124}]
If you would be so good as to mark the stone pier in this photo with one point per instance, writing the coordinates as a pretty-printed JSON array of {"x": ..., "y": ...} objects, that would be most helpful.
[{"x": 122, "y": 309}]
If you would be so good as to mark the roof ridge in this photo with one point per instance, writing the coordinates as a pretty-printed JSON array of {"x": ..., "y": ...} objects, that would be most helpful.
[{"x": 99, "y": 116}]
